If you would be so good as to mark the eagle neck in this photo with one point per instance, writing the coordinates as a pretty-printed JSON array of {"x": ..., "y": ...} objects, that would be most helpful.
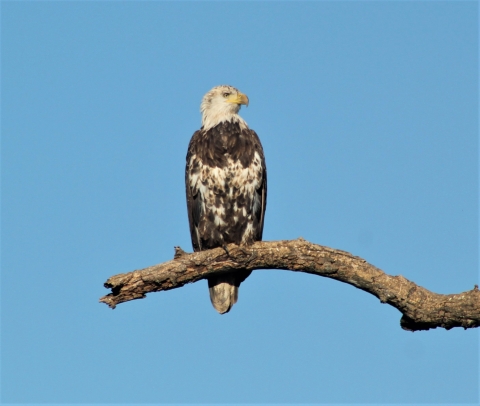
[{"x": 210, "y": 121}]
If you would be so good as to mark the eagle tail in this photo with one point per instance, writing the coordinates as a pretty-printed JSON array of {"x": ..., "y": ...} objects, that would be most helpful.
[{"x": 223, "y": 292}]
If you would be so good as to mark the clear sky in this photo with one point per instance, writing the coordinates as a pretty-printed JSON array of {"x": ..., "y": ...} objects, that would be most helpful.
[{"x": 368, "y": 114}]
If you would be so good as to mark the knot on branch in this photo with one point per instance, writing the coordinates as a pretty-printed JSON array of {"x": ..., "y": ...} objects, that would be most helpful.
[{"x": 178, "y": 253}]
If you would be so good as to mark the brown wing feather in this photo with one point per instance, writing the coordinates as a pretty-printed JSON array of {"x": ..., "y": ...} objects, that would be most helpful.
[
  {"x": 262, "y": 191},
  {"x": 194, "y": 204}
]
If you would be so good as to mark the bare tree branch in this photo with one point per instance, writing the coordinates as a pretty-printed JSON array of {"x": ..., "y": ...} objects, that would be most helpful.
[{"x": 421, "y": 309}]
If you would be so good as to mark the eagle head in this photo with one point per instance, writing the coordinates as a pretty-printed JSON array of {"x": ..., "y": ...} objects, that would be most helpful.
[{"x": 222, "y": 103}]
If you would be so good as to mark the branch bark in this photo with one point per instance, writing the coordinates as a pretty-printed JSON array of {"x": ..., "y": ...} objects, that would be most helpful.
[{"x": 421, "y": 309}]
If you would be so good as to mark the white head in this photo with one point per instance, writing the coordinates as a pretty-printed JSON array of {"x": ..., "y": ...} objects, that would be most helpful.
[{"x": 222, "y": 103}]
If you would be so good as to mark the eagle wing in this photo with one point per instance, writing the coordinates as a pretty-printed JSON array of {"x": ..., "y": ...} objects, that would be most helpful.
[
  {"x": 194, "y": 202},
  {"x": 260, "y": 200}
]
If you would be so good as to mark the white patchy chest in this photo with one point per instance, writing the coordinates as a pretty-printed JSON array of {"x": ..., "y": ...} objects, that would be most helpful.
[{"x": 227, "y": 191}]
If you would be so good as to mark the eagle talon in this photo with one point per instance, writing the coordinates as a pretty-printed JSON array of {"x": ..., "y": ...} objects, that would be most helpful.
[
  {"x": 224, "y": 246},
  {"x": 252, "y": 257}
]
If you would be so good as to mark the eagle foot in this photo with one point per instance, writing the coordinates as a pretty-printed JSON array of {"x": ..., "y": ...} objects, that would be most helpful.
[
  {"x": 224, "y": 246},
  {"x": 252, "y": 256}
]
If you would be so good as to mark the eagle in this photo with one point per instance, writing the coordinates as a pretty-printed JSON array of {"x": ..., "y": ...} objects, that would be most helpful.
[{"x": 226, "y": 186}]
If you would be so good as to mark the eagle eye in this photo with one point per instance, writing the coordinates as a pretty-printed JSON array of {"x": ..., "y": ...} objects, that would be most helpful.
[{"x": 226, "y": 94}]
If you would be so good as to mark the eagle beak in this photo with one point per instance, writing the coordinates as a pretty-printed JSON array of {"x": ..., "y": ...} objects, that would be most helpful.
[{"x": 239, "y": 98}]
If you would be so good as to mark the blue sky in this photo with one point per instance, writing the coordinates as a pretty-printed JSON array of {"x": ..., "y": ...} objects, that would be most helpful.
[{"x": 368, "y": 114}]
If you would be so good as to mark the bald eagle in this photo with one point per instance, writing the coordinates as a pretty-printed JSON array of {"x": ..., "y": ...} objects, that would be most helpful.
[{"x": 226, "y": 186}]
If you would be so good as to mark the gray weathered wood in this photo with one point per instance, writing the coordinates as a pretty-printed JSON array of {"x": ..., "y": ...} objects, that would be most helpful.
[{"x": 421, "y": 309}]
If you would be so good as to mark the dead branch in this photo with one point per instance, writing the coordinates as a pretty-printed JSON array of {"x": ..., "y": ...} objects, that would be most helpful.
[{"x": 421, "y": 309}]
